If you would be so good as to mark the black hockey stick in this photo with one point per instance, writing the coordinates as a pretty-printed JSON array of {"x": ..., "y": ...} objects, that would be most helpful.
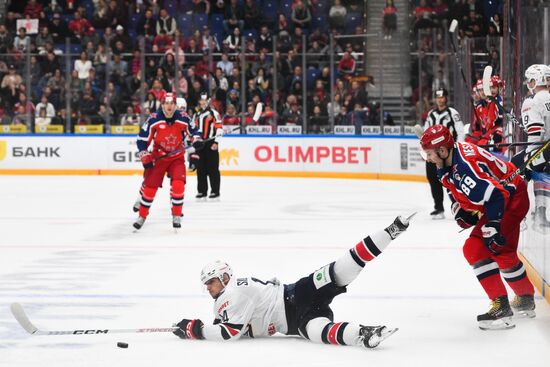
[
  {"x": 522, "y": 168},
  {"x": 21, "y": 317},
  {"x": 520, "y": 144}
]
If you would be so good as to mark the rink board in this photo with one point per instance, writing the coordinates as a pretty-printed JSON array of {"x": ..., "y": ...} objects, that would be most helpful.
[{"x": 373, "y": 157}]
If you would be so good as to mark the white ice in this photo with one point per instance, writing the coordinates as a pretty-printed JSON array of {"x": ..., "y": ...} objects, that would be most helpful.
[{"x": 69, "y": 256}]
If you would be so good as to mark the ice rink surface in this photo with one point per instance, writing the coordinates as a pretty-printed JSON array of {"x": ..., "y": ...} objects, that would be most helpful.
[{"x": 68, "y": 254}]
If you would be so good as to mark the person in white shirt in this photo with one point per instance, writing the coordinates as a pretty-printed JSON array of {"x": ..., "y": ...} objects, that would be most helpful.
[
  {"x": 225, "y": 65},
  {"x": 255, "y": 308},
  {"x": 83, "y": 66},
  {"x": 44, "y": 112}
]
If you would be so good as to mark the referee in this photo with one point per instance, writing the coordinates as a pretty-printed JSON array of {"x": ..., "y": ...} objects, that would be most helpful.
[
  {"x": 449, "y": 117},
  {"x": 209, "y": 123}
]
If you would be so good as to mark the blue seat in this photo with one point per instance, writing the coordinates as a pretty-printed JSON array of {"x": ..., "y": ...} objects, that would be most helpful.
[
  {"x": 200, "y": 21},
  {"x": 133, "y": 21},
  {"x": 353, "y": 20},
  {"x": 319, "y": 21},
  {"x": 76, "y": 49},
  {"x": 269, "y": 10},
  {"x": 250, "y": 33},
  {"x": 312, "y": 75},
  {"x": 171, "y": 6},
  {"x": 216, "y": 19},
  {"x": 286, "y": 8},
  {"x": 185, "y": 23}
]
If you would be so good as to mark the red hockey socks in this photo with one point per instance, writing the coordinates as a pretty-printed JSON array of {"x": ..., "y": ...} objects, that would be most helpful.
[
  {"x": 517, "y": 279},
  {"x": 488, "y": 275},
  {"x": 176, "y": 193},
  {"x": 147, "y": 197}
]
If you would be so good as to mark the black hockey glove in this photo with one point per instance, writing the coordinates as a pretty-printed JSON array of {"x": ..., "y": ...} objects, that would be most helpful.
[
  {"x": 193, "y": 162},
  {"x": 464, "y": 218},
  {"x": 492, "y": 238},
  {"x": 189, "y": 329},
  {"x": 198, "y": 145}
]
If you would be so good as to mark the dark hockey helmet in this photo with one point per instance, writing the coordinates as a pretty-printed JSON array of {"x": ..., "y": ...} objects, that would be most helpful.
[
  {"x": 441, "y": 92},
  {"x": 435, "y": 137}
]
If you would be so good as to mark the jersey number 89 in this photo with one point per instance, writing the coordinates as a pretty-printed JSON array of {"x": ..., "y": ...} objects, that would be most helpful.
[{"x": 467, "y": 185}]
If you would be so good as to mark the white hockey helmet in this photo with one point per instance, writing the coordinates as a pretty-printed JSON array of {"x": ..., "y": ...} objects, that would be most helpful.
[
  {"x": 216, "y": 269},
  {"x": 538, "y": 73},
  {"x": 181, "y": 103}
]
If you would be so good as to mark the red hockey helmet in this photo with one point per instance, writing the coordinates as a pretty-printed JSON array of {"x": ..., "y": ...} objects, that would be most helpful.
[
  {"x": 435, "y": 137},
  {"x": 496, "y": 81},
  {"x": 169, "y": 98}
]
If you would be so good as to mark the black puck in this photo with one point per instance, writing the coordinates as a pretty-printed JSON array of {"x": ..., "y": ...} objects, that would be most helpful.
[{"x": 122, "y": 345}]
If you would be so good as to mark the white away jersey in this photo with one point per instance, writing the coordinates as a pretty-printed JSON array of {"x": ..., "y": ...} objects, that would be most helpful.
[
  {"x": 538, "y": 117},
  {"x": 248, "y": 306}
]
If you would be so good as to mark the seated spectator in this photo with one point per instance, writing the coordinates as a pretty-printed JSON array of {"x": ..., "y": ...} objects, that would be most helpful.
[
  {"x": 473, "y": 26},
  {"x": 130, "y": 117},
  {"x": 441, "y": 11},
  {"x": 251, "y": 14},
  {"x": 359, "y": 93},
  {"x": 20, "y": 42},
  {"x": 233, "y": 17},
  {"x": 202, "y": 67},
  {"x": 389, "y": 22},
  {"x": 301, "y": 16},
  {"x": 292, "y": 115},
  {"x": 121, "y": 36},
  {"x": 233, "y": 42},
  {"x": 56, "y": 83},
  {"x": 152, "y": 103},
  {"x": 157, "y": 90},
  {"x": 358, "y": 117},
  {"x": 424, "y": 16},
  {"x": 83, "y": 66},
  {"x": 225, "y": 65},
  {"x": 41, "y": 39},
  {"x": 118, "y": 69},
  {"x": 265, "y": 40},
  {"x": 346, "y": 66},
  {"x": 162, "y": 42},
  {"x": 78, "y": 27},
  {"x": 334, "y": 106},
  {"x": 89, "y": 107},
  {"x": 21, "y": 117},
  {"x": 193, "y": 52},
  {"x": 201, "y": 7},
  {"x": 58, "y": 29},
  {"x": 250, "y": 110},
  {"x": 230, "y": 117},
  {"x": 11, "y": 81},
  {"x": 32, "y": 9},
  {"x": 317, "y": 121},
  {"x": 233, "y": 99},
  {"x": 105, "y": 114},
  {"x": 166, "y": 23},
  {"x": 116, "y": 13},
  {"x": 221, "y": 80},
  {"x": 6, "y": 40},
  {"x": 147, "y": 26},
  {"x": 342, "y": 117},
  {"x": 337, "y": 15},
  {"x": 45, "y": 106}
]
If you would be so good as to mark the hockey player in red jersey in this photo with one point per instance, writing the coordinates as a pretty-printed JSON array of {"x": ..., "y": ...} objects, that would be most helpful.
[
  {"x": 256, "y": 308},
  {"x": 491, "y": 197},
  {"x": 161, "y": 150}
]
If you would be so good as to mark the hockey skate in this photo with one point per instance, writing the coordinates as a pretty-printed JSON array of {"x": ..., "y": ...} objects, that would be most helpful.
[
  {"x": 399, "y": 225},
  {"x": 214, "y": 196},
  {"x": 176, "y": 221},
  {"x": 139, "y": 223},
  {"x": 524, "y": 306},
  {"x": 135, "y": 208},
  {"x": 438, "y": 214},
  {"x": 499, "y": 317},
  {"x": 372, "y": 336},
  {"x": 200, "y": 197}
]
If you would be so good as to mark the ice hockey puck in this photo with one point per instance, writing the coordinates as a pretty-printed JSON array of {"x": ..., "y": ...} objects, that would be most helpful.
[{"x": 122, "y": 345}]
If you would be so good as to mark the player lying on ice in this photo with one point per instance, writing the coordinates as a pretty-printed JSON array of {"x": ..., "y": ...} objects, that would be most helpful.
[
  {"x": 489, "y": 196},
  {"x": 249, "y": 306}
]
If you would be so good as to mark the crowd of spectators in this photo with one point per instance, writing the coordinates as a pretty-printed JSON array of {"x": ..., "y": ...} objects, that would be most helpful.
[
  {"x": 479, "y": 24},
  {"x": 190, "y": 46}
]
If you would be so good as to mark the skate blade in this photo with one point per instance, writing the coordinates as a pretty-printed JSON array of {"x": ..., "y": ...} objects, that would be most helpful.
[
  {"x": 438, "y": 216},
  {"x": 376, "y": 340},
  {"x": 201, "y": 199},
  {"x": 504, "y": 323},
  {"x": 526, "y": 314},
  {"x": 214, "y": 200},
  {"x": 411, "y": 216}
]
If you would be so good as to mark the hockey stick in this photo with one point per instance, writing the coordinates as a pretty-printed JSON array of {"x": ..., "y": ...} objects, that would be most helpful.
[
  {"x": 520, "y": 144},
  {"x": 452, "y": 29},
  {"x": 21, "y": 317},
  {"x": 522, "y": 168},
  {"x": 487, "y": 73}
]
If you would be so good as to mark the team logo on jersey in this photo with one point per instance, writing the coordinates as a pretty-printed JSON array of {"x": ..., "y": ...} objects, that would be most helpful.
[
  {"x": 3, "y": 149},
  {"x": 321, "y": 277},
  {"x": 229, "y": 156}
]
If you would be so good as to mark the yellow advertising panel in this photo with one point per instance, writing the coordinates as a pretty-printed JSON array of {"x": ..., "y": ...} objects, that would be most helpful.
[
  {"x": 14, "y": 129},
  {"x": 49, "y": 129},
  {"x": 88, "y": 129},
  {"x": 125, "y": 129}
]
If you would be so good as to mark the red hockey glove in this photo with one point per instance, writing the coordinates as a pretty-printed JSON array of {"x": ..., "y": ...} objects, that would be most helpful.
[
  {"x": 146, "y": 159},
  {"x": 492, "y": 238},
  {"x": 189, "y": 329},
  {"x": 464, "y": 218}
]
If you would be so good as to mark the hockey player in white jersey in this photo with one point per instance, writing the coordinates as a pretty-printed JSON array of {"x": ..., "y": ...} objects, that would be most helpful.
[
  {"x": 536, "y": 110},
  {"x": 256, "y": 308}
]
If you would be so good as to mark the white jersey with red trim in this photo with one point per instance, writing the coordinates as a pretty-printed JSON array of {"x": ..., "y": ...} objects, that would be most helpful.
[
  {"x": 538, "y": 118},
  {"x": 248, "y": 306}
]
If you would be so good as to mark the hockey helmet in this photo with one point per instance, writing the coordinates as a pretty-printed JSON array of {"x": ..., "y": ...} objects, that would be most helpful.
[
  {"x": 435, "y": 137},
  {"x": 168, "y": 98},
  {"x": 441, "y": 92},
  {"x": 181, "y": 103},
  {"x": 215, "y": 269},
  {"x": 496, "y": 81},
  {"x": 538, "y": 73}
]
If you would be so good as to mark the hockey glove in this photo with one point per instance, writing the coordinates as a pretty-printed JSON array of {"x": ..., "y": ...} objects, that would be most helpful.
[
  {"x": 198, "y": 145},
  {"x": 146, "y": 159},
  {"x": 219, "y": 132},
  {"x": 190, "y": 329},
  {"x": 193, "y": 162},
  {"x": 492, "y": 238},
  {"x": 464, "y": 218}
]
